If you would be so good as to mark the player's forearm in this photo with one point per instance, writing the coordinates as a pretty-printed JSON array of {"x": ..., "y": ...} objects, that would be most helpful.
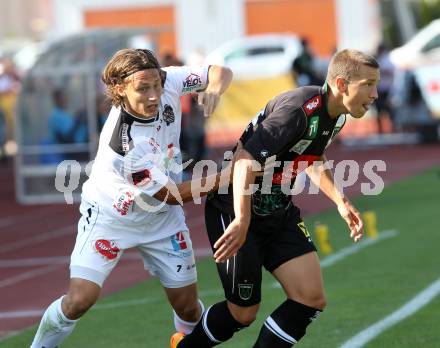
[
  {"x": 329, "y": 188},
  {"x": 190, "y": 190},
  {"x": 219, "y": 78},
  {"x": 243, "y": 177},
  {"x": 323, "y": 178}
]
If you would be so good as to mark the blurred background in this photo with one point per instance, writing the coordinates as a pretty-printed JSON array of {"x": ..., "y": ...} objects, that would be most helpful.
[{"x": 52, "y": 53}]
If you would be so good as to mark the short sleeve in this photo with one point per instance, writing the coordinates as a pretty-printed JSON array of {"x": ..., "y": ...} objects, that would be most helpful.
[
  {"x": 187, "y": 79},
  {"x": 283, "y": 126}
]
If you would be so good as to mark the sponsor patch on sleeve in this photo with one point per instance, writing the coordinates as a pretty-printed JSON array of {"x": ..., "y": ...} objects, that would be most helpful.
[
  {"x": 192, "y": 83},
  {"x": 312, "y": 104}
]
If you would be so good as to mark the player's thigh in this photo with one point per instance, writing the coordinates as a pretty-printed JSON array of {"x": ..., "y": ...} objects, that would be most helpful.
[
  {"x": 240, "y": 275},
  {"x": 98, "y": 247},
  {"x": 171, "y": 259},
  {"x": 184, "y": 298},
  {"x": 301, "y": 279},
  {"x": 291, "y": 257}
]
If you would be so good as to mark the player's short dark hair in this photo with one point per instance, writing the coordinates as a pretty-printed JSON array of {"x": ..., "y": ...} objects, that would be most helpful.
[
  {"x": 346, "y": 63},
  {"x": 123, "y": 64}
]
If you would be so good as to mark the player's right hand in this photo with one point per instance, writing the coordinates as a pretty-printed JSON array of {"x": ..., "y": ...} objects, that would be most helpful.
[
  {"x": 209, "y": 101},
  {"x": 231, "y": 240}
]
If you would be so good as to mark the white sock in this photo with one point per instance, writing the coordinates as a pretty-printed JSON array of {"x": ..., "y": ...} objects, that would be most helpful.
[
  {"x": 54, "y": 327},
  {"x": 186, "y": 326}
]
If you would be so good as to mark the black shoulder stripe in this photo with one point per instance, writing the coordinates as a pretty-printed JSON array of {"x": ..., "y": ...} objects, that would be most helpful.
[{"x": 121, "y": 138}]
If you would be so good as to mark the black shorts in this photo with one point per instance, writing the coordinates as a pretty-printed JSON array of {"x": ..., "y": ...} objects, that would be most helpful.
[{"x": 271, "y": 241}]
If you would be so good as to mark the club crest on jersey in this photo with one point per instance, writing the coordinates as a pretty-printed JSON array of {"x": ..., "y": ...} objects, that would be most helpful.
[
  {"x": 168, "y": 114},
  {"x": 107, "y": 248},
  {"x": 192, "y": 82},
  {"x": 312, "y": 104},
  {"x": 245, "y": 291},
  {"x": 178, "y": 241}
]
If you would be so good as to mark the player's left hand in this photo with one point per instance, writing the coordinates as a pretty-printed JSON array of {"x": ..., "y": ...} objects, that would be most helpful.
[
  {"x": 209, "y": 100},
  {"x": 231, "y": 240},
  {"x": 352, "y": 218}
]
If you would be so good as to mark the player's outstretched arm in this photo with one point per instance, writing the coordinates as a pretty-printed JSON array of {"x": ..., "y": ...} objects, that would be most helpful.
[
  {"x": 323, "y": 178},
  {"x": 235, "y": 234},
  {"x": 190, "y": 190}
]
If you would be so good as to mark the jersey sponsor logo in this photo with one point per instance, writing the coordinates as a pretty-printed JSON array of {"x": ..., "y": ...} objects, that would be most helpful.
[
  {"x": 123, "y": 202},
  {"x": 298, "y": 165},
  {"x": 107, "y": 248},
  {"x": 300, "y": 146},
  {"x": 180, "y": 254},
  {"x": 245, "y": 290},
  {"x": 312, "y": 104},
  {"x": 326, "y": 132},
  {"x": 312, "y": 129},
  {"x": 141, "y": 178},
  {"x": 178, "y": 241},
  {"x": 168, "y": 114},
  {"x": 192, "y": 82}
]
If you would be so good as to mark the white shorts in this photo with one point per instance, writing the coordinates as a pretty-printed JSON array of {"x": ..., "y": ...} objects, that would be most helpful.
[{"x": 100, "y": 245}]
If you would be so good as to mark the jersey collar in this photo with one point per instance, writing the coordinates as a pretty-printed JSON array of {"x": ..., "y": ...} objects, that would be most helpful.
[{"x": 132, "y": 118}]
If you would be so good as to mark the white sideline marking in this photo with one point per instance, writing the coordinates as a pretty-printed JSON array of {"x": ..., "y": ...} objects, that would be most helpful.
[
  {"x": 352, "y": 249},
  {"x": 51, "y": 260},
  {"x": 12, "y": 220},
  {"x": 27, "y": 275},
  {"x": 57, "y": 233},
  {"x": 422, "y": 299},
  {"x": 111, "y": 305},
  {"x": 194, "y": 221}
]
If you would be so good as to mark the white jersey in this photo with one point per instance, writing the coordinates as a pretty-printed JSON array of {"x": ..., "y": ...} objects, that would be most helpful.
[{"x": 136, "y": 157}]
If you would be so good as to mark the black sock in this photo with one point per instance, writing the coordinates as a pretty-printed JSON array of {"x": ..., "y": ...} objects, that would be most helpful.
[
  {"x": 286, "y": 325},
  {"x": 216, "y": 326}
]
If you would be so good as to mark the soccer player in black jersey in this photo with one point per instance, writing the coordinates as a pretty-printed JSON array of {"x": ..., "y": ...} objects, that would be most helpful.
[{"x": 248, "y": 230}]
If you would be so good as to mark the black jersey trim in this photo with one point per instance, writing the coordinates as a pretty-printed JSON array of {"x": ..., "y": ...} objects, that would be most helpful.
[{"x": 121, "y": 137}]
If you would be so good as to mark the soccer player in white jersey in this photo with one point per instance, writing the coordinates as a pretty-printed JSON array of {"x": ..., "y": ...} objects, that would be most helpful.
[{"x": 133, "y": 195}]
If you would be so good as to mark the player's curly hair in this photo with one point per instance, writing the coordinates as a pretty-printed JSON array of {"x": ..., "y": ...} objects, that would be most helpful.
[
  {"x": 346, "y": 63},
  {"x": 123, "y": 64}
]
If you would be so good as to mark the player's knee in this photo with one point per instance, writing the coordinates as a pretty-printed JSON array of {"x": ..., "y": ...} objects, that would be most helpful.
[
  {"x": 76, "y": 304},
  {"x": 189, "y": 311},
  {"x": 317, "y": 301},
  {"x": 244, "y": 315}
]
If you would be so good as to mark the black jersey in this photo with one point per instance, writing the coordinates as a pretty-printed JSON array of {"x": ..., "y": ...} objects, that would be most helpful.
[{"x": 294, "y": 128}]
